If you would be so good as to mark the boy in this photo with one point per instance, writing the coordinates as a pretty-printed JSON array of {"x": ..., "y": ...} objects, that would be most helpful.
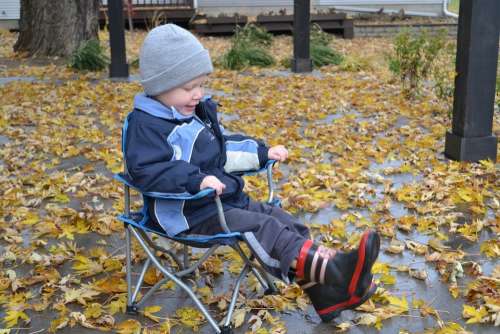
[{"x": 174, "y": 144}]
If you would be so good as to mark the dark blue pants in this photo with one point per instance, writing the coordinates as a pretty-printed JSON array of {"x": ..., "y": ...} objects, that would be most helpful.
[{"x": 275, "y": 237}]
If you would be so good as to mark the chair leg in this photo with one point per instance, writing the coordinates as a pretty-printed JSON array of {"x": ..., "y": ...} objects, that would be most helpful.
[
  {"x": 185, "y": 254},
  {"x": 262, "y": 276},
  {"x": 234, "y": 297},
  {"x": 176, "y": 280},
  {"x": 140, "y": 280},
  {"x": 131, "y": 309},
  {"x": 271, "y": 287}
]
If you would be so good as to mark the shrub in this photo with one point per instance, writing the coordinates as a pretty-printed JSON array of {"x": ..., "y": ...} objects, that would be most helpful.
[
  {"x": 89, "y": 56},
  {"x": 247, "y": 48},
  {"x": 320, "y": 51},
  {"x": 242, "y": 56},
  {"x": 318, "y": 36},
  {"x": 356, "y": 64},
  {"x": 322, "y": 55},
  {"x": 253, "y": 34},
  {"x": 413, "y": 57}
]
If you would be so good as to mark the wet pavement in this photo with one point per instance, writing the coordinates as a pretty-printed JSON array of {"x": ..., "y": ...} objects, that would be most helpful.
[{"x": 431, "y": 290}]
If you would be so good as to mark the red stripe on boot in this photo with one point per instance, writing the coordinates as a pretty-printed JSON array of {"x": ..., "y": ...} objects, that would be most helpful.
[
  {"x": 301, "y": 260},
  {"x": 352, "y": 301},
  {"x": 359, "y": 264}
]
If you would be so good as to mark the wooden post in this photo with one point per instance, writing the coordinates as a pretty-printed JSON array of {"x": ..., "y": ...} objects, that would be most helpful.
[
  {"x": 301, "y": 61},
  {"x": 118, "y": 67},
  {"x": 471, "y": 137}
]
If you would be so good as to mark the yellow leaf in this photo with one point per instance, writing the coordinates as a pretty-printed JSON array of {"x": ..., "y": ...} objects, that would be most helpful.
[
  {"x": 93, "y": 311},
  {"x": 401, "y": 304},
  {"x": 129, "y": 326},
  {"x": 395, "y": 247},
  {"x": 454, "y": 291},
  {"x": 149, "y": 310},
  {"x": 190, "y": 317},
  {"x": 343, "y": 326},
  {"x": 239, "y": 317},
  {"x": 165, "y": 327},
  {"x": 388, "y": 279},
  {"x": 152, "y": 276},
  {"x": 418, "y": 274},
  {"x": 62, "y": 198},
  {"x": 474, "y": 315},
  {"x": 85, "y": 266},
  {"x": 79, "y": 295},
  {"x": 118, "y": 305},
  {"x": 366, "y": 319},
  {"x": 491, "y": 248},
  {"x": 467, "y": 195},
  {"x": 13, "y": 316},
  {"x": 381, "y": 268},
  {"x": 452, "y": 328},
  {"x": 30, "y": 219},
  {"x": 437, "y": 244},
  {"x": 416, "y": 247}
]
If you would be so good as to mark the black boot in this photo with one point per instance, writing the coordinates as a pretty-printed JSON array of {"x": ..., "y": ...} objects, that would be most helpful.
[
  {"x": 349, "y": 273},
  {"x": 329, "y": 302}
]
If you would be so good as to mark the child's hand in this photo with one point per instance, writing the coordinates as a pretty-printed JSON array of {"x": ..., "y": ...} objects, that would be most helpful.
[
  {"x": 214, "y": 183},
  {"x": 278, "y": 152}
]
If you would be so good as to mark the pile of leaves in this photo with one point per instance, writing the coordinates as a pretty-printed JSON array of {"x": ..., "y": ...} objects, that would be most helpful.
[{"x": 361, "y": 156}]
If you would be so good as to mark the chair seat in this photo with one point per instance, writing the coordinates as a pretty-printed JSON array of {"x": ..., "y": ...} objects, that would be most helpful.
[{"x": 138, "y": 220}]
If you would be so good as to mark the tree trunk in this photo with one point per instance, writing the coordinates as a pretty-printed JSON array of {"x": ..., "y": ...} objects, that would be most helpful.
[{"x": 56, "y": 28}]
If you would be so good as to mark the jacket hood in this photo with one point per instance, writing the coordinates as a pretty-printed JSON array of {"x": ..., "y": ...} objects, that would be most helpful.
[{"x": 156, "y": 108}]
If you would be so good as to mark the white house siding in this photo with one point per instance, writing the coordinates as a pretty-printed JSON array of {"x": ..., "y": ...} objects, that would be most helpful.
[
  {"x": 430, "y": 7},
  {"x": 244, "y": 7},
  {"x": 10, "y": 12},
  {"x": 147, "y": 2},
  {"x": 10, "y": 9},
  {"x": 255, "y": 7}
]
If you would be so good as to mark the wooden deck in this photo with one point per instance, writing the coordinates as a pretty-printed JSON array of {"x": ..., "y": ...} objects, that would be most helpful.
[
  {"x": 337, "y": 23},
  {"x": 161, "y": 11}
]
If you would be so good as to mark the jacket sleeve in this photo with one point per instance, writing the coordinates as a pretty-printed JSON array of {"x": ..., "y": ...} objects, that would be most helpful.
[
  {"x": 150, "y": 163},
  {"x": 244, "y": 153}
]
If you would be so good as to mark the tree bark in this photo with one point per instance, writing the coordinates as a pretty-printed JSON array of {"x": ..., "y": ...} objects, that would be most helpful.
[{"x": 56, "y": 28}]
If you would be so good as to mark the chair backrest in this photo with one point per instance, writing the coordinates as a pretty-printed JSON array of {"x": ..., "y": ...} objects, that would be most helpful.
[{"x": 124, "y": 137}]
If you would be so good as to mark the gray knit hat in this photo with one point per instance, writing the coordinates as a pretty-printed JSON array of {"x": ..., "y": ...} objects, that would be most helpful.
[{"x": 170, "y": 57}]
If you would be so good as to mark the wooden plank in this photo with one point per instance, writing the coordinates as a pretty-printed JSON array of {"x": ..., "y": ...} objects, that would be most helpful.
[
  {"x": 227, "y": 20},
  {"x": 336, "y": 22}
]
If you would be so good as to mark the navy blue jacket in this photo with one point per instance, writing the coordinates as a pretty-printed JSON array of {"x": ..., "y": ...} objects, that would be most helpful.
[{"x": 168, "y": 152}]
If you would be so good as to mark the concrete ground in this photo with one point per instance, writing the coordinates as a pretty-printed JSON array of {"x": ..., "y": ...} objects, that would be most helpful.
[{"x": 432, "y": 290}]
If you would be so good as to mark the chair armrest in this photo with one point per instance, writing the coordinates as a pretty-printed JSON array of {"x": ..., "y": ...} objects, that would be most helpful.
[
  {"x": 270, "y": 184},
  {"x": 200, "y": 194},
  {"x": 269, "y": 163},
  {"x": 173, "y": 196}
]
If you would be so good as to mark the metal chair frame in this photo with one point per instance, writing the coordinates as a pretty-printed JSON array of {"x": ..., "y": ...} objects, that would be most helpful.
[{"x": 136, "y": 229}]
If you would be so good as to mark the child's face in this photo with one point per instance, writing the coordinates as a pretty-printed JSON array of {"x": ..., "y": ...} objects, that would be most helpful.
[{"x": 185, "y": 98}]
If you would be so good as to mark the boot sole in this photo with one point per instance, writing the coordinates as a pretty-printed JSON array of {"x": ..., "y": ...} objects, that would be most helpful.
[{"x": 328, "y": 315}]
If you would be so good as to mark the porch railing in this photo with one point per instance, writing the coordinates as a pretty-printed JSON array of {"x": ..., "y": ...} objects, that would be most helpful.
[{"x": 156, "y": 3}]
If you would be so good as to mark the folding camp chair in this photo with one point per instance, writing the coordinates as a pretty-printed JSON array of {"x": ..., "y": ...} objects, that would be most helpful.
[{"x": 137, "y": 224}]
